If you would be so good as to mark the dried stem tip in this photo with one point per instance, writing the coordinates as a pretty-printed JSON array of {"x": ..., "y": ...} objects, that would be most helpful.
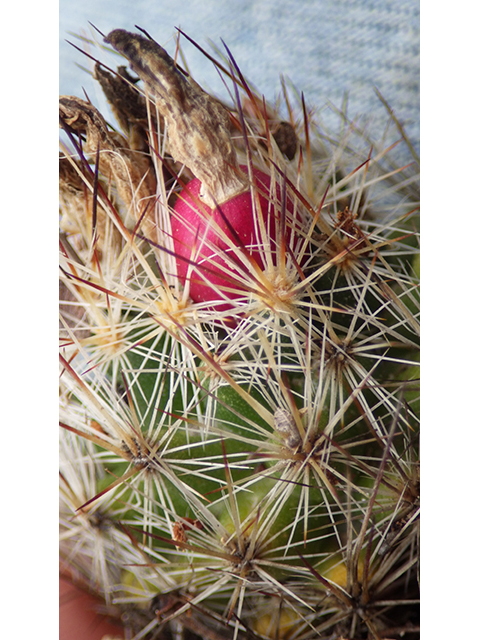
[{"x": 197, "y": 125}]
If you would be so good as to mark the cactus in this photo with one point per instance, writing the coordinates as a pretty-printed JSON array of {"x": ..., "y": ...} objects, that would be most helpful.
[{"x": 239, "y": 409}]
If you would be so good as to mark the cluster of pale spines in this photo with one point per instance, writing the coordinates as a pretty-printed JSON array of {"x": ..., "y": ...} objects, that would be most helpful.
[{"x": 261, "y": 469}]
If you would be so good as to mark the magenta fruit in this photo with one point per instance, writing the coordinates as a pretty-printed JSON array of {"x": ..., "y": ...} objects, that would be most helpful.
[{"x": 214, "y": 247}]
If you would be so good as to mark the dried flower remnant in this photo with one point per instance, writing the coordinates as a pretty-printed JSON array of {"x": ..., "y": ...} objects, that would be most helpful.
[
  {"x": 284, "y": 424},
  {"x": 77, "y": 207},
  {"x": 127, "y": 103},
  {"x": 180, "y": 529},
  {"x": 130, "y": 170},
  {"x": 286, "y": 139},
  {"x": 220, "y": 218},
  {"x": 197, "y": 125}
]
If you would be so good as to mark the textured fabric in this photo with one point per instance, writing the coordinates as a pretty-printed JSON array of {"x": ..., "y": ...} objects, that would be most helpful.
[{"x": 325, "y": 47}]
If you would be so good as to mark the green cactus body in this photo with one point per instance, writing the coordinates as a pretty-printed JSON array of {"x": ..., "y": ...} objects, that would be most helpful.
[{"x": 247, "y": 467}]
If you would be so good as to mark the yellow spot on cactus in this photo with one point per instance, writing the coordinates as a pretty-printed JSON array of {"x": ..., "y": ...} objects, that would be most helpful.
[
  {"x": 338, "y": 573},
  {"x": 275, "y": 625}
]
